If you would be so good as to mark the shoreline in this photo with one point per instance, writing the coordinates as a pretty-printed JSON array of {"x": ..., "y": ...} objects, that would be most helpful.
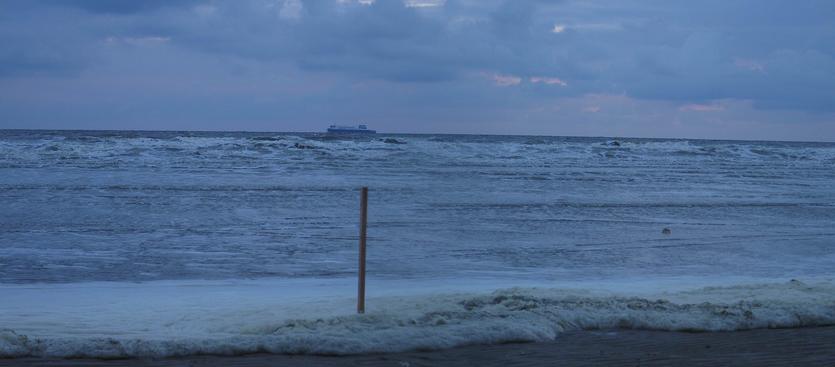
[{"x": 812, "y": 346}]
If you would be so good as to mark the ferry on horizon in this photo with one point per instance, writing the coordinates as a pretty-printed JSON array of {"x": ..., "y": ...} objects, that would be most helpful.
[{"x": 361, "y": 129}]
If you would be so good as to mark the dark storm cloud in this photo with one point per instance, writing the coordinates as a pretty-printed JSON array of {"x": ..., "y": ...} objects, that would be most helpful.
[
  {"x": 769, "y": 52},
  {"x": 119, "y": 6},
  {"x": 507, "y": 55}
]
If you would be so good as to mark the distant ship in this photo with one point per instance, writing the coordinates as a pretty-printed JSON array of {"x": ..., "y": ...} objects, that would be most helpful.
[{"x": 361, "y": 129}]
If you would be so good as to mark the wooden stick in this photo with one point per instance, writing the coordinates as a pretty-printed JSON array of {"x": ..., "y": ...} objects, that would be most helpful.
[{"x": 363, "y": 227}]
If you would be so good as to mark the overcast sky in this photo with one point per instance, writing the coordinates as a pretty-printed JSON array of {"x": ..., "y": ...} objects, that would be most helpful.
[{"x": 751, "y": 69}]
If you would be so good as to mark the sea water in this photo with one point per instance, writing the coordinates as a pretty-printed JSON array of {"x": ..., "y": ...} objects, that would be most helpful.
[{"x": 119, "y": 244}]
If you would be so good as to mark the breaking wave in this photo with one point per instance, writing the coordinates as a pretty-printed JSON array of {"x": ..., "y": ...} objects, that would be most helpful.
[
  {"x": 444, "y": 321},
  {"x": 102, "y": 150}
]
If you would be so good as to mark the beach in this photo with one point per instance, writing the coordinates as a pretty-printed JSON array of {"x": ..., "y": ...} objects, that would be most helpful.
[
  {"x": 173, "y": 246},
  {"x": 417, "y": 183},
  {"x": 763, "y": 347}
]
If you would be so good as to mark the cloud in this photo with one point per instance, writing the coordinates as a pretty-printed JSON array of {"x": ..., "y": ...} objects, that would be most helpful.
[
  {"x": 548, "y": 81},
  {"x": 119, "y": 6},
  {"x": 687, "y": 56},
  {"x": 361, "y": 2},
  {"x": 424, "y": 3},
  {"x": 695, "y": 107},
  {"x": 138, "y": 41},
  {"x": 750, "y": 65},
  {"x": 291, "y": 9},
  {"x": 506, "y": 80},
  {"x": 672, "y": 59}
]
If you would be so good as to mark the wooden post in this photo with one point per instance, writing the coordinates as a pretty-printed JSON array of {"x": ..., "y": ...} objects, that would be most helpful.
[{"x": 363, "y": 227}]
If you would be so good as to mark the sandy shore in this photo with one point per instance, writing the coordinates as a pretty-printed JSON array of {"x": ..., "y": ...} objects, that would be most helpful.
[{"x": 781, "y": 347}]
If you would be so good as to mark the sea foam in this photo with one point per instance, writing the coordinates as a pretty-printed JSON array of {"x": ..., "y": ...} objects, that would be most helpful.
[{"x": 432, "y": 321}]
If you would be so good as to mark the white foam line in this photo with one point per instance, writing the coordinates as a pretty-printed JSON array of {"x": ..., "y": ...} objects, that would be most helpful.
[{"x": 316, "y": 315}]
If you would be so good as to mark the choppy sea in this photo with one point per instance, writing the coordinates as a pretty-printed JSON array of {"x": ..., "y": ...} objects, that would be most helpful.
[{"x": 123, "y": 244}]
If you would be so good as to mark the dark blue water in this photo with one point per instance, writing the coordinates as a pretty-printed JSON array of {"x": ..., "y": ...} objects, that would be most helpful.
[{"x": 138, "y": 206}]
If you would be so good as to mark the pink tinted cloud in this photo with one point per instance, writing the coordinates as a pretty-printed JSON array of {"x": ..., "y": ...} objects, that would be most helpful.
[
  {"x": 549, "y": 81},
  {"x": 696, "y": 107},
  {"x": 506, "y": 80}
]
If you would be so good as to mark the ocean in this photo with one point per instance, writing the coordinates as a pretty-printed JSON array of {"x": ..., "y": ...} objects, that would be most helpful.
[{"x": 136, "y": 244}]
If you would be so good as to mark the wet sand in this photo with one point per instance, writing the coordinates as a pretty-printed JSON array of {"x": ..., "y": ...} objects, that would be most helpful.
[{"x": 774, "y": 347}]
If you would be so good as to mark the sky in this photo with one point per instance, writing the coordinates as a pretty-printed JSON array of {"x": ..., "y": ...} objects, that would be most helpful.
[{"x": 718, "y": 69}]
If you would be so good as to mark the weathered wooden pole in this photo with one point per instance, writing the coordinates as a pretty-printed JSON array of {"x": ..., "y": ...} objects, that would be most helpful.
[{"x": 363, "y": 227}]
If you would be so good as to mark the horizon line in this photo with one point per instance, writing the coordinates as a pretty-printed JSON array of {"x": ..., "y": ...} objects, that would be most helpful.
[{"x": 408, "y": 133}]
